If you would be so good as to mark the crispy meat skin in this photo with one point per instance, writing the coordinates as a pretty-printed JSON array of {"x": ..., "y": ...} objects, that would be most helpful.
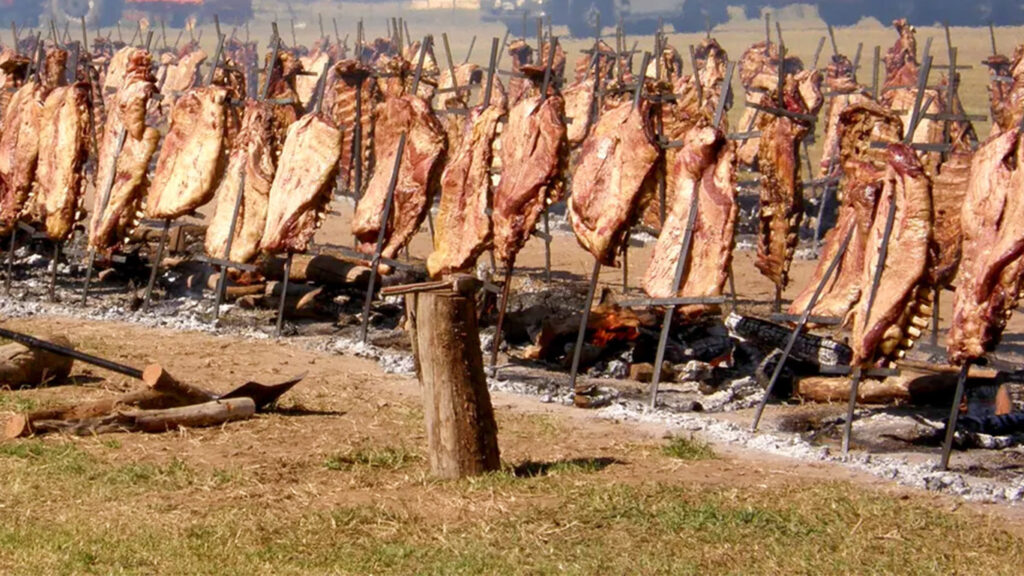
[
  {"x": 118, "y": 69},
  {"x": 877, "y": 338},
  {"x": 533, "y": 147},
  {"x": 19, "y": 151},
  {"x": 418, "y": 176},
  {"x": 609, "y": 179},
  {"x": 988, "y": 284},
  {"x": 463, "y": 226},
  {"x": 579, "y": 102},
  {"x": 127, "y": 110},
  {"x": 781, "y": 190},
  {"x": 252, "y": 154},
  {"x": 863, "y": 169},
  {"x": 302, "y": 185},
  {"x": 704, "y": 166},
  {"x": 63, "y": 150},
  {"x": 180, "y": 76},
  {"x": 347, "y": 78},
  {"x": 191, "y": 158}
]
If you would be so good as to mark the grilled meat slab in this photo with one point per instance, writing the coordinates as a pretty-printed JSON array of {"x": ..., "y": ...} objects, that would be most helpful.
[
  {"x": 418, "y": 177},
  {"x": 302, "y": 185},
  {"x": 63, "y": 149},
  {"x": 704, "y": 167},
  {"x": 19, "y": 151},
  {"x": 251, "y": 158},
  {"x": 191, "y": 159}
]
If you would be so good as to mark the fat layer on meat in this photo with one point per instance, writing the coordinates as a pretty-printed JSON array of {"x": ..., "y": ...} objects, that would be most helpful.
[
  {"x": 126, "y": 171},
  {"x": 992, "y": 220},
  {"x": 191, "y": 159},
  {"x": 250, "y": 172},
  {"x": 463, "y": 225},
  {"x": 705, "y": 167},
  {"x": 418, "y": 176},
  {"x": 532, "y": 155},
  {"x": 302, "y": 185},
  {"x": 608, "y": 182},
  {"x": 64, "y": 148},
  {"x": 19, "y": 151},
  {"x": 903, "y": 286}
]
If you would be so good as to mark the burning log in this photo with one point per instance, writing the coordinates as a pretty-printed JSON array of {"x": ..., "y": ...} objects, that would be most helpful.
[
  {"x": 155, "y": 421},
  {"x": 462, "y": 435},
  {"x": 322, "y": 269},
  {"x": 21, "y": 366},
  {"x": 809, "y": 348}
]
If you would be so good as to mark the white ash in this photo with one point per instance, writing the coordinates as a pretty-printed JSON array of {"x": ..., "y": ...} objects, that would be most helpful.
[
  {"x": 900, "y": 470},
  {"x": 737, "y": 395},
  {"x": 389, "y": 361}
]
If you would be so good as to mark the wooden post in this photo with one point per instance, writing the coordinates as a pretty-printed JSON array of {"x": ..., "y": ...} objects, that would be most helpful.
[{"x": 462, "y": 436}]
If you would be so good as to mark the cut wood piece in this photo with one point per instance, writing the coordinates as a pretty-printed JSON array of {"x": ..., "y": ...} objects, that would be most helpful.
[
  {"x": 323, "y": 269},
  {"x": 21, "y": 366},
  {"x": 155, "y": 421},
  {"x": 908, "y": 388},
  {"x": 462, "y": 436},
  {"x": 161, "y": 381}
]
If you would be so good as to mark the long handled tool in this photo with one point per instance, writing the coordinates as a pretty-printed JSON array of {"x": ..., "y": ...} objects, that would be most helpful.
[{"x": 262, "y": 395}]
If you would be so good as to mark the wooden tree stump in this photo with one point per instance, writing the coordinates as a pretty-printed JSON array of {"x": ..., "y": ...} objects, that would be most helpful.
[{"x": 462, "y": 435}]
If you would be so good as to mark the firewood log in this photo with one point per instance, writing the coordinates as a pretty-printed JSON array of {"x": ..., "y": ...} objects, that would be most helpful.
[{"x": 21, "y": 366}]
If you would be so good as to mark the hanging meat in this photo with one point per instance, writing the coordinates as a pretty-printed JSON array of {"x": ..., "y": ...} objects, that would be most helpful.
[
  {"x": 454, "y": 103},
  {"x": 463, "y": 226},
  {"x": 989, "y": 280},
  {"x": 191, "y": 159},
  {"x": 759, "y": 72},
  {"x": 302, "y": 185},
  {"x": 13, "y": 69},
  {"x": 863, "y": 170},
  {"x": 1006, "y": 90},
  {"x": 418, "y": 177},
  {"x": 250, "y": 172},
  {"x": 900, "y": 94},
  {"x": 616, "y": 162},
  {"x": 19, "y": 151},
  {"x": 282, "y": 92},
  {"x": 593, "y": 71},
  {"x": 705, "y": 168},
  {"x": 179, "y": 76},
  {"x": 902, "y": 304},
  {"x": 690, "y": 108},
  {"x": 352, "y": 95},
  {"x": 63, "y": 149},
  {"x": 533, "y": 154},
  {"x": 126, "y": 171},
  {"x": 779, "y": 161},
  {"x": 118, "y": 69},
  {"x": 843, "y": 92},
  {"x": 522, "y": 55},
  {"x": 313, "y": 67}
]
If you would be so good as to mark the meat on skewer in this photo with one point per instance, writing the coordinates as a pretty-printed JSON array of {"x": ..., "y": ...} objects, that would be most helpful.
[
  {"x": 19, "y": 151},
  {"x": 779, "y": 162},
  {"x": 127, "y": 111},
  {"x": 704, "y": 167},
  {"x": 302, "y": 185},
  {"x": 191, "y": 159},
  {"x": 902, "y": 303},
  {"x": 251, "y": 158}
]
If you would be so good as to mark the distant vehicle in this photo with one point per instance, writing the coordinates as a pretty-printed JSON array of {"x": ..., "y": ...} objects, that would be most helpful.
[
  {"x": 175, "y": 13},
  {"x": 642, "y": 16}
]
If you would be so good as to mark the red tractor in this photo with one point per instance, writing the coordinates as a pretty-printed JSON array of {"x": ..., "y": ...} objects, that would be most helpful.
[{"x": 109, "y": 12}]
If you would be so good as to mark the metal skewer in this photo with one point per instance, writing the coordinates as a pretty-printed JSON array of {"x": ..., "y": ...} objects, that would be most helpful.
[{"x": 954, "y": 414}]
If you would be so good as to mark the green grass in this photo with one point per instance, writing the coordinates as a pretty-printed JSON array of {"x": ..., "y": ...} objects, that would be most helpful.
[
  {"x": 372, "y": 458},
  {"x": 683, "y": 448}
]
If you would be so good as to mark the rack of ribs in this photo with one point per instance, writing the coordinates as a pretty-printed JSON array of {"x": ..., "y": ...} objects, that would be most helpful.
[
  {"x": 455, "y": 103},
  {"x": 989, "y": 280},
  {"x": 63, "y": 149},
  {"x": 347, "y": 78},
  {"x": 758, "y": 70},
  {"x": 191, "y": 159},
  {"x": 616, "y": 162},
  {"x": 781, "y": 188},
  {"x": 302, "y": 186},
  {"x": 902, "y": 303},
  {"x": 418, "y": 177},
  {"x": 251, "y": 158},
  {"x": 127, "y": 111},
  {"x": 463, "y": 227},
  {"x": 285, "y": 106},
  {"x": 863, "y": 171},
  {"x": 19, "y": 151},
  {"x": 705, "y": 166},
  {"x": 532, "y": 156}
]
